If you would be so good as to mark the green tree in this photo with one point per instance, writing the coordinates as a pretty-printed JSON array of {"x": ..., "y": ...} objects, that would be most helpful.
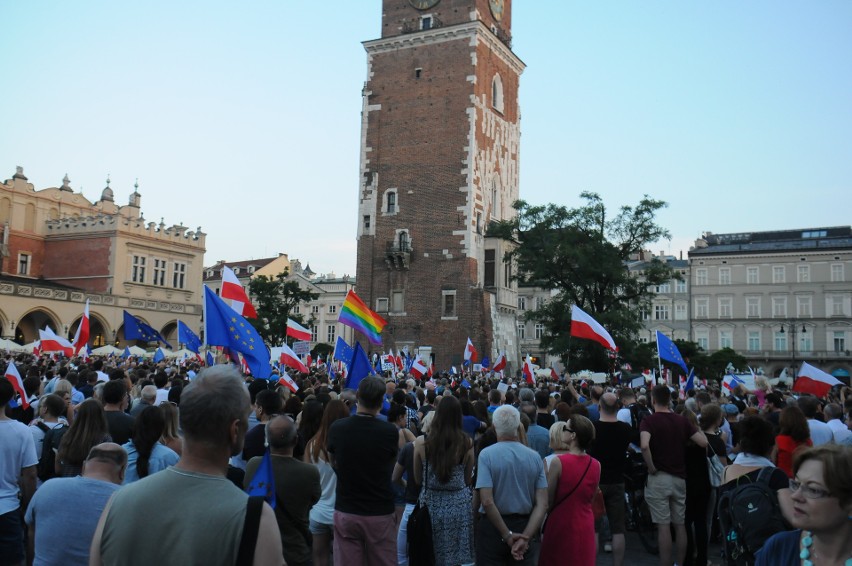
[
  {"x": 581, "y": 254},
  {"x": 276, "y": 297}
]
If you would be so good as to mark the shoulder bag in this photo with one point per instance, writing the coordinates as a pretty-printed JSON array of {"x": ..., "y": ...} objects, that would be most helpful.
[
  {"x": 566, "y": 496},
  {"x": 715, "y": 468},
  {"x": 421, "y": 551}
]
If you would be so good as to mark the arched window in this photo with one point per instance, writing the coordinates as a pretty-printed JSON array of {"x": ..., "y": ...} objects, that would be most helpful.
[
  {"x": 391, "y": 204},
  {"x": 29, "y": 218},
  {"x": 403, "y": 241},
  {"x": 497, "y": 93}
]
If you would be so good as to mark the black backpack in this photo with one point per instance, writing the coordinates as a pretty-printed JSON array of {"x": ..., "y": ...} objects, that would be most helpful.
[
  {"x": 748, "y": 515},
  {"x": 637, "y": 413},
  {"x": 52, "y": 437}
]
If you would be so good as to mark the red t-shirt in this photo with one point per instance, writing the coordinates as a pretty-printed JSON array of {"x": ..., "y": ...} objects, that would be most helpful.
[
  {"x": 786, "y": 448},
  {"x": 669, "y": 433}
]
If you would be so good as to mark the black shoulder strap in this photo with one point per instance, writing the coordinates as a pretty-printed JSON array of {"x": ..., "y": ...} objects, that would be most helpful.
[
  {"x": 566, "y": 496},
  {"x": 245, "y": 557},
  {"x": 44, "y": 428}
]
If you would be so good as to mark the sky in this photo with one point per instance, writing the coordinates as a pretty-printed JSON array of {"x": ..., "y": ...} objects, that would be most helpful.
[{"x": 244, "y": 119}]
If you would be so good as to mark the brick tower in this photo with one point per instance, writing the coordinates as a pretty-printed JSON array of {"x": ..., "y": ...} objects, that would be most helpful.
[{"x": 440, "y": 133}]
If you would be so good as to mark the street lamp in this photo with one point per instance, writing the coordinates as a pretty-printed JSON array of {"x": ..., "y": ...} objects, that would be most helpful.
[{"x": 793, "y": 330}]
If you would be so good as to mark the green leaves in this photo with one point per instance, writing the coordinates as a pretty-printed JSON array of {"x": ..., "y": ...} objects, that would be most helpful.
[{"x": 276, "y": 298}]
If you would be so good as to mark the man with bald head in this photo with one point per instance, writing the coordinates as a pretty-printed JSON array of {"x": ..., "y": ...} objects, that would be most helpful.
[
  {"x": 147, "y": 399},
  {"x": 297, "y": 488},
  {"x": 612, "y": 437},
  {"x": 64, "y": 512}
]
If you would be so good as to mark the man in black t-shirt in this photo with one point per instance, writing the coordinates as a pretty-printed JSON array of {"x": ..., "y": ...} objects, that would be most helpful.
[
  {"x": 363, "y": 452},
  {"x": 610, "y": 448},
  {"x": 115, "y": 403}
]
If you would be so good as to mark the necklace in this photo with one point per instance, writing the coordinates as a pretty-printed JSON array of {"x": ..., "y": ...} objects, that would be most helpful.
[{"x": 806, "y": 554}]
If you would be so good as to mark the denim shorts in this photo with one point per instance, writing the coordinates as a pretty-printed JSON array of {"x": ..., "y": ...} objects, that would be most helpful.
[{"x": 321, "y": 528}]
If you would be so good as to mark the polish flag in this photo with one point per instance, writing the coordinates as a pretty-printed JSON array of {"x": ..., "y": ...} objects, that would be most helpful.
[
  {"x": 500, "y": 362},
  {"x": 290, "y": 359},
  {"x": 81, "y": 337},
  {"x": 399, "y": 365},
  {"x": 470, "y": 353},
  {"x": 553, "y": 374},
  {"x": 297, "y": 331},
  {"x": 244, "y": 367},
  {"x": 418, "y": 368},
  {"x": 14, "y": 378},
  {"x": 528, "y": 370},
  {"x": 288, "y": 382},
  {"x": 814, "y": 381},
  {"x": 309, "y": 362},
  {"x": 431, "y": 370},
  {"x": 50, "y": 342},
  {"x": 234, "y": 293},
  {"x": 584, "y": 326}
]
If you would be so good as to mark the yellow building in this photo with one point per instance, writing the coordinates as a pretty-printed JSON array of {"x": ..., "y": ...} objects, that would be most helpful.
[{"x": 58, "y": 249}]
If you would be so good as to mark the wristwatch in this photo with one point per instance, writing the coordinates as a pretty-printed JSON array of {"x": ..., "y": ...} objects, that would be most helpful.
[{"x": 508, "y": 538}]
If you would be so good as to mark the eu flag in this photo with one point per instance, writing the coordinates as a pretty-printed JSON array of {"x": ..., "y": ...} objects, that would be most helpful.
[
  {"x": 135, "y": 329},
  {"x": 186, "y": 336},
  {"x": 667, "y": 350},
  {"x": 263, "y": 482},
  {"x": 211, "y": 361},
  {"x": 359, "y": 367},
  {"x": 126, "y": 353},
  {"x": 342, "y": 351},
  {"x": 486, "y": 362},
  {"x": 224, "y": 327},
  {"x": 159, "y": 355}
]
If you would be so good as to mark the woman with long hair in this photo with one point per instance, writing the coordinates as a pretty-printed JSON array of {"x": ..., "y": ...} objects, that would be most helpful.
[
  {"x": 572, "y": 481},
  {"x": 88, "y": 429},
  {"x": 322, "y": 513},
  {"x": 793, "y": 434},
  {"x": 308, "y": 422},
  {"x": 443, "y": 466},
  {"x": 171, "y": 435},
  {"x": 145, "y": 454}
]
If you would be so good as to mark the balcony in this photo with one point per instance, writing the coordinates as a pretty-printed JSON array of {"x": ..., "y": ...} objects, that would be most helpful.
[{"x": 398, "y": 255}]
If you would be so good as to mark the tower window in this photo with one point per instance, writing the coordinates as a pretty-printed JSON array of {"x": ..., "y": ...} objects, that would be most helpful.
[
  {"x": 490, "y": 266},
  {"x": 366, "y": 222},
  {"x": 426, "y": 22},
  {"x": 390, "y": 202},
  {"x": 417, "y": 73},
  {"x": 497, "y": 93}
]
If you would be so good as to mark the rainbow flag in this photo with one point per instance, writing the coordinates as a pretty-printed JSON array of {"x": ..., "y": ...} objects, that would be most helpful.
[{"x": 356, "y": 315}]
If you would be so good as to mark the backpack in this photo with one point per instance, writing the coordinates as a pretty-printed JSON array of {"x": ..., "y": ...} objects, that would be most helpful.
[
  {"x": 637, "y": 413},
  {"x": 748, "y": 515},
  {"x": 46, "y": 468}
]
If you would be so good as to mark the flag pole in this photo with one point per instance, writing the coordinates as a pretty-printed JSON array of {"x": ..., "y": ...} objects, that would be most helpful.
[{"x": 659, "y": 359}]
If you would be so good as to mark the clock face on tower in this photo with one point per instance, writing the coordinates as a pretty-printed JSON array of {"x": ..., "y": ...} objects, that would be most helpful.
[
  {"x": 423, "y": 4},
  {"x": 496, "y": 9}
]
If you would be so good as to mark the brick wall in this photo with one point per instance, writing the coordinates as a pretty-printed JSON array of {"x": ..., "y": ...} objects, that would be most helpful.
[
  {"x": 87, "y": 260},
  {"x": 24, "y": 243}
]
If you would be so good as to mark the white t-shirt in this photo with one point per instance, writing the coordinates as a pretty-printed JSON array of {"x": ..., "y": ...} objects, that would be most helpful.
[
  {"x": 624, "y": 416},
  {"x": 17, "y": 451}
]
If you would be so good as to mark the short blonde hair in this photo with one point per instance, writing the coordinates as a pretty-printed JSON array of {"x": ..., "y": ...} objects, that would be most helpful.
[{"x": 557, "y": 440}]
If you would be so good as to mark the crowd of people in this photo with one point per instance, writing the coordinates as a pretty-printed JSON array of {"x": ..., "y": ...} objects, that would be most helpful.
[{"x": 131, "y": 462}]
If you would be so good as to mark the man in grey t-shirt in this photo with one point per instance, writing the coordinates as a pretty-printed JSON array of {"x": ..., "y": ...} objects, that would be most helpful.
[
  {"x": 513, "y": 491},
  {"x": 64, "y": 512}
]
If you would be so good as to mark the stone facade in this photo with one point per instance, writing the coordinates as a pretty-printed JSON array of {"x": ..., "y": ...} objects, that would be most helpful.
[
  {"x": 439, "y": 161},
  {"x": 778, "y": 298},
  {"x": 59, "y": 249}
]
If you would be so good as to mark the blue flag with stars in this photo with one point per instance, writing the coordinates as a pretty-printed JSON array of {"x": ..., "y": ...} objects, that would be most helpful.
[
  {"x": 188, "y": 338},
  {"x": 667, "y": 350},
  {"x": 126, "y": 354},
  {"x": 159, "y": 355},
  {"x": 342, "y": 351},
  {"x": 224, "y": 327},
  {"x": 359, "y": 367},
  {"x": 263, "y": 482},
  {"x": 690, "y": 381},
  {"x": 210, "y": 360},
  {"x": 135, "y": 329}
]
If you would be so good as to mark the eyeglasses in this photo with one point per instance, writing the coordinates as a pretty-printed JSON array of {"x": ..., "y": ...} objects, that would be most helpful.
[
  {"x": 808, "y": 491},
  {"x": 566, "y": 429}
]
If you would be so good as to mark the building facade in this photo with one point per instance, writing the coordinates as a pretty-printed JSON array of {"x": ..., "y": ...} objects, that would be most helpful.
[
  {"x": 668, "y": 312},
  {"x": 778, "y": 298},
  {"x": 59, "y": 249},
  {"x": 439, "y": 161}
]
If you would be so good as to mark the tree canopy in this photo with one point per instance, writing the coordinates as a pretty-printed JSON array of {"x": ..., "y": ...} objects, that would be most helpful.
[
  {"x": 276, "y": 298},
  {"x": 581, "y": 254}
]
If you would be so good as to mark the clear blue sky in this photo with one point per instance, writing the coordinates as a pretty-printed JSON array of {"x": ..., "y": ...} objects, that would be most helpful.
[{"x": 245, "y": 118}]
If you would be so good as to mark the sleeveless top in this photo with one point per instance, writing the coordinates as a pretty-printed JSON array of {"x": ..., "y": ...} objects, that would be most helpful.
[{"x": 175, "y": 517}]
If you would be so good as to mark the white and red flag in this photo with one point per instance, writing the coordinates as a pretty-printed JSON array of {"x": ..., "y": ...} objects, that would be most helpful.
[
  {"x": 288, "y": 382},
  {"x": 233, "y": 292},
  {"x": 814, "y": 381},
  {"x": 290, "y": 359},
  {"x": 81, "y": 337},
  {"x": 297, "y": 331},
  {"x": 50, "y": 342},
  {"x": 14, "y": 377},
  {"x": 553, "y": 375},
  {"x": 470, "y": 353},
  {"x": 418, "y": 368},
  {"x": 528, "y": 370},
  {"x": 500, "y": 362},
  {"x": 584, "y": 326}
]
